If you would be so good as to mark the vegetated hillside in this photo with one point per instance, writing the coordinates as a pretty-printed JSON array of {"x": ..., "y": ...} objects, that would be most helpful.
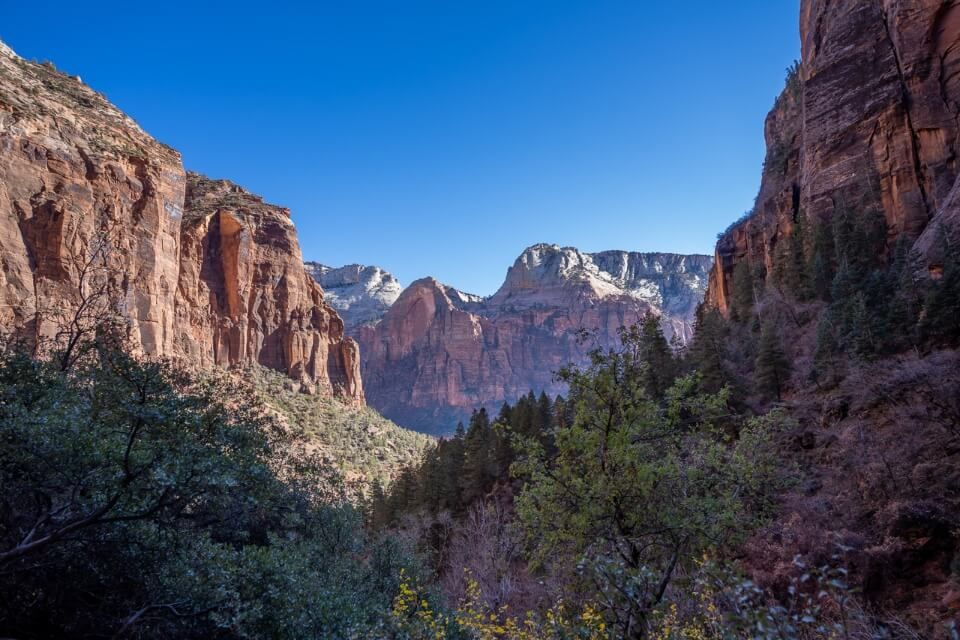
[
  {"x": 839, "y": 294},
  {"x": 438, "y": 353},
  {"x": 832, "y": 316},
  {"x": 362, "y": 445},
  {"x": 205, "y": 271}
]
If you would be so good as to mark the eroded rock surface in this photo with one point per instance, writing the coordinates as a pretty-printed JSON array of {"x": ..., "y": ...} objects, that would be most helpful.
[
  {"x": 200, "y": 270},
  {"x": 870, "y": 122},
  {"x": 361, "y": 294},
  {"x": 439, "y": 353}
]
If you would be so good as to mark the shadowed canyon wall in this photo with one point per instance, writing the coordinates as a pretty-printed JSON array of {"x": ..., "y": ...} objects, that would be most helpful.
[{"x": 868, "y": 122}]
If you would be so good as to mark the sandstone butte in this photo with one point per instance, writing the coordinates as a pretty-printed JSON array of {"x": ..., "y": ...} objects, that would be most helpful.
[
  {"x": 870, "y": 122},
  {"x": 203, "y": 271}
]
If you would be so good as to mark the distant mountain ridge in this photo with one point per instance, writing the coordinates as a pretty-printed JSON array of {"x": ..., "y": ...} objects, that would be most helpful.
[
  {"x": 361, "y": 294},
  {"x": 435, "y": 353}
]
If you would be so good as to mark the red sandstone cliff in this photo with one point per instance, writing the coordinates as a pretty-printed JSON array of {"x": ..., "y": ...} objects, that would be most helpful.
[
  {"x": 200, "y": 270},
  {"x": 870, "y": 122},
  {"x": 438, "y": 353}
]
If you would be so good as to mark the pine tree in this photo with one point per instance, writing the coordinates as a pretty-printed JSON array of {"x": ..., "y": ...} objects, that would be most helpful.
[
  {"x": 706, "y": 352},
  {"x": 790, "y": 269},
  {"x": 544, "y": 413},
  {"x": 430, "y": 481},
  {"x": 741, "y": 304},
  {"x": 451, "y": 464},
  {"x": 476, "y": 476},
  {"x": 656, "y": 357},
  {"x": 821, "y": 261},
  {"x": 379, "y": 513},
  {"x": 772, "y": 368},
  {"x": 941, "y": 322},
  {"x": 826, "y": 356}
]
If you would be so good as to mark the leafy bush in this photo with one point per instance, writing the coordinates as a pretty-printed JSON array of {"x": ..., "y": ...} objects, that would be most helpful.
[
  {"x": 137, "y": 499},
  {"x": 363, "y": 445}
]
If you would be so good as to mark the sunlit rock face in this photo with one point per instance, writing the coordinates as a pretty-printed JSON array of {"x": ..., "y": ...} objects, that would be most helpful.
[
  {"x": 870, "y": 123},
  {"x": 201, "y": 270},
  {"x": 438, "y": 353},
  {"x": 360, "y": 294}
]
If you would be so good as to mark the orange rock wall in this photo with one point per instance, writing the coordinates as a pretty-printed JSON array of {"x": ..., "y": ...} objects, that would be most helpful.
[
  {"x": 872, "y": 123},
  {"x": 201, "y": 270}
]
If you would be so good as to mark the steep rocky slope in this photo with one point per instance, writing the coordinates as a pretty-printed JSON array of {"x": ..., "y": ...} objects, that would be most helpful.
[
  {"x": 361, "y": 444},
  {"x": 868, "y": 122},
  {"x": 93, "y": 207},
  {"x": 439, "y": 353},
  {"x": 867, "y": 125},
  {"x": 361, "y": 294}
]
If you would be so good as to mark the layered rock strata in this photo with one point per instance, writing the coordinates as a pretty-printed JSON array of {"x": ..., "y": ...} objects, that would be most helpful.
[
  {"x": 439, "y": 353},
  {"x": 870, "y": 121},
  {"x": 200, "y": 270}
]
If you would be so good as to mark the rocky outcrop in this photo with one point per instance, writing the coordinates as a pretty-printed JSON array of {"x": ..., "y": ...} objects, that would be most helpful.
[
  {"x": 360, "y": 294},
  {"x": 439, "y": 353},
  {"x": 199, "y": 270},
  {"x": 868, "y": 122},
  {"x": 244, "y": 292}
]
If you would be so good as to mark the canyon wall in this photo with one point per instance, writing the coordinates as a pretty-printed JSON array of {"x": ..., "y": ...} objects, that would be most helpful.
[
  {"x": 92, "y": 209},
  {"x": 439, "y": 353},
  {"x": 868, "y": 123}
]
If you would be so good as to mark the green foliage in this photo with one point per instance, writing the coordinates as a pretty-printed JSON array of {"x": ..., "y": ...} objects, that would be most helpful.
[
  {"x": 941, "y": 322},
  {"x": 744, "y": 294},
  {"x": 715, "y": 602},
  {"x": 461, "y": 470},
  {"x": 361, "y": 444},
  {"x": 139, "y": 500},
  {"x": 790, "y": 271},
  {"x": 772, "y": 368},
  {"x": 820, "y": 266},
  {"x": 777, "y": 158},
  {"x": 826, "y": 358},
  {"x": 640, "y": 484},
  {"x": 707, "y": 352}
]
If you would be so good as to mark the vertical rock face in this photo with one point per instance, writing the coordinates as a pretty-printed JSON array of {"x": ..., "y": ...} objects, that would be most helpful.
[
  {"x": 244, "y": 295},
  {"x": 76, "y": 173},
  {"x": 200, "y": 270},
  {"x": 360, "y": 294},
  {"x": 869, "y": 122},
  {"x": 439, "y": 353}
]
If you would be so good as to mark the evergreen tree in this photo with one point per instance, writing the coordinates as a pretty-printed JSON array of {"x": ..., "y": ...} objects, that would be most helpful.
[
  {"x": 451, "y": 463},
  {"x": 827, "y": 353},
  {"x": 380, "y": 515},
  {"x": 790, "y": 269},
  {"x": 430, "y": 481},
  {"x": 476, "y": 477},
  {"x": 706, "y": 353},
  {"x": 659, "y": 366},
  {"x": 941, "y": 322},
  {"x": 772, "y": 368},
  {"x": 821, "y": 261},
  {"x": 741, "y": 303}
]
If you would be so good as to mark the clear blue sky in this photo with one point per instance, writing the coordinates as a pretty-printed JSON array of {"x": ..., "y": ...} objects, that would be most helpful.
[{"x": 441, "y": 138}]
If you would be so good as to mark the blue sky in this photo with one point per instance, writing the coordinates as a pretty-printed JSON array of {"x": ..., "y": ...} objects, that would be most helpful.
[{"x": 441, "y": 138}]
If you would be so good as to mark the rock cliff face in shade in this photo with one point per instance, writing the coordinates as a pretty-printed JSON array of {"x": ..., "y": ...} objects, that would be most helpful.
[
  {"x": 200, "y": 270},
  {"x": 869, "y": 122},
  {"x": 360, "y": 294},
  {"x": 439, "y": 353}
]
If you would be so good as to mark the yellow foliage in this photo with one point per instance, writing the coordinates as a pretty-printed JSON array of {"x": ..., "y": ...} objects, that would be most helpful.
[{"x": 413, "y": 616}]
